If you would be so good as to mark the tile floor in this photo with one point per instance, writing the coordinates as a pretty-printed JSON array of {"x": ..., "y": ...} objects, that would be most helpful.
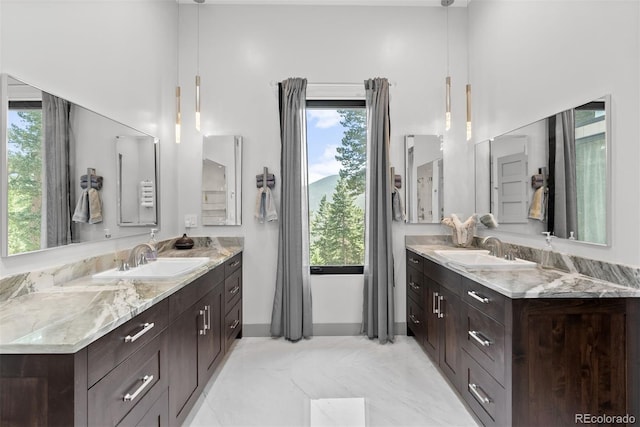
[{"x": 328, "y": 381}]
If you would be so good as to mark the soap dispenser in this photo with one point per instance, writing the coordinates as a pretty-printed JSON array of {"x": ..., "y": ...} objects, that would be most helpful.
[
  {"x": 545, "y": 256},
  {"x": 153, "y": 254}
]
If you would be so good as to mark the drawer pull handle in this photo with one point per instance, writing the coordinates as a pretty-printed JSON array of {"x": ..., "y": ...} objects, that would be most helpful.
[
  {"x": 145, "y": 328},
  {"x": 146, "y": 380},
  {"x": 440, "y": 309},
  {"x": 415, "y": 261},
  {"x": 234, "y": 263},
  {"x": 480, "y": 338},
  {"x": 413, "y": 319},
  {"x": 480, "y": 298},
  {"x": 207, "y": 309},
  {"x": 203, "y": 330},
  {"x": 476, "y": 390},
  {"x": 436, "y": 305},
  {"x": 235, "y": 324},
  {"x": 235, "y": 290},
  {"x": 414, "y": 286}
]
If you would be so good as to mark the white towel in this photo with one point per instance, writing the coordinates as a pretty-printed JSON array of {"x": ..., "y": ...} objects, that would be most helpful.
[
  {"x": 396, "y": 205},
  {"x": 265, "y": 207},
  {"x": 81, "y": 214},
  {"x": 95, "y": 206}
]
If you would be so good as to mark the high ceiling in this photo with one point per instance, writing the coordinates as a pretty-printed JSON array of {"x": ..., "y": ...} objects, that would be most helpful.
[{"x": 429, "y": 3}]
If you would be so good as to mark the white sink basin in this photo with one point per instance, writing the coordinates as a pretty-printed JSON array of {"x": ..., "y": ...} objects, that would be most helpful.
[
  {"x": 481, "y": 260},
  {"x": 162, "y": 268}
]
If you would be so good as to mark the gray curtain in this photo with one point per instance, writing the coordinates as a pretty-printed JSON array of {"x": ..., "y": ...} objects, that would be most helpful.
[
  {"x": 57, "y": 151},
  {"x": 291, "y": 316},
  {"x": 566, "y": 195},
  {"x": 378, "y": 310}
]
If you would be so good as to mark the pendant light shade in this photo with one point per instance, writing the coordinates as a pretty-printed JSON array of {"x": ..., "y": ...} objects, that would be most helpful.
[
  {"x": 178, "y": 115},
  {"x": 198, "y": 102},
  {"x": 468, "y": 112}
]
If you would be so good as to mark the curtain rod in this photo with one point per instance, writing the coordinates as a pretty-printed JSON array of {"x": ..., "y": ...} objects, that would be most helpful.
[{"x": 275, "y": 83}]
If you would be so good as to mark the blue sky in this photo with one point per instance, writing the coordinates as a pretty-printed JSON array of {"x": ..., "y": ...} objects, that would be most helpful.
[{"x": 324, "y": 135}]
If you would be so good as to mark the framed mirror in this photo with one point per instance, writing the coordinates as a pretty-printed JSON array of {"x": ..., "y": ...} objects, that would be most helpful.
[
  {"x": 62, "y": 180},
  {"x": 222, "y": 180},
  {"x": 424, "y": 187},
  {"x": 551, "y": 175}
]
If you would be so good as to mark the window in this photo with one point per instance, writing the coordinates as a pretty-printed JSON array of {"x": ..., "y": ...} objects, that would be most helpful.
[
  {"x": 336, "y": 150},
  {"x": 24, "y": 166}
]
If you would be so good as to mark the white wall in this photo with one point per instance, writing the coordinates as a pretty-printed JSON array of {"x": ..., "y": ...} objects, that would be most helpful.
[
  {"x": 245, "y": 50},
  {"x": 530, "y": 59},
  {"x": 116, "y": 58}
]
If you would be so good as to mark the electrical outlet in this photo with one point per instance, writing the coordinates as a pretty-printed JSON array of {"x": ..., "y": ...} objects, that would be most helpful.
[{"x": 191, "y": 220}]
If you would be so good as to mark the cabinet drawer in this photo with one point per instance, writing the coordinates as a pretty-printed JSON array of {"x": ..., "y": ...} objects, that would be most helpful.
[
  {"x": 232, "y": 289},
  {"x": 414, "y": 261},
  {"x": 139, "y": 380},
  {"x": 442, "y": 275},
  {"x": 484, "y": 299},
  {"x": 233, "y": 264},
  {"x": 415, "y": 319},
  {"x": 415, "y": 285},
  {"x": 107, "y": 352},
  {"x": 484, "y": 340},
  {"x": 143, "y": 416},
  {"x": 484, "y": 395},
  {"x": 190, "y": 294},
  {"x": 233, "y": 323}
]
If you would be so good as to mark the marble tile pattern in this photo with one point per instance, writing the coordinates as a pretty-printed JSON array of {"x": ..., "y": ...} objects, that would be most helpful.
[
  {"x": 273, "y": 382},
  {"x": 62, "y": 310},
  {"x": 565, "y": 280}
]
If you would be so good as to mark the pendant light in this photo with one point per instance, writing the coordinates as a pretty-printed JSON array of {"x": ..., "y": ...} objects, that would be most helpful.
[
  {"x": 199, "y": 2},
  {"x": 468, "y": 91},
  {"x": 178, "y": 113},
  {"x": 447, "y": 114}
]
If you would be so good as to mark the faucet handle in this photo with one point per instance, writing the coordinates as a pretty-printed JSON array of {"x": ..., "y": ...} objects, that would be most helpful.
[
  {"x": 123, "y": 265},
  {"x": 142, "y": 260}
]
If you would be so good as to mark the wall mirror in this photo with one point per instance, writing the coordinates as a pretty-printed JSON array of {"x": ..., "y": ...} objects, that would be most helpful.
[
  {"x": 551, "y": 175},
  {"x": 65, "y": 182},
  {"x": 424, "y": 179},
  {"x": 222, "y": 180}
]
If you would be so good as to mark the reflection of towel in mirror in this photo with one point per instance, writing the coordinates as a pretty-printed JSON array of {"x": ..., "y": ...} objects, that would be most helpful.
[
  {"x": 81, "y": 214},
  {"x": 537, "y": 208},
  {"x": 95, "y": 206},
  {"x": 396, "y": 205},
  {"x": 265, "y": 206}
]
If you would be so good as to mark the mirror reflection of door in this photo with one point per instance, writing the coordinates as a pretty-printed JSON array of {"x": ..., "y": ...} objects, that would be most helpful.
[
  {"x": 424, "y": 178},
  {"x": 425, "y": 190},
  {"x": 214, "y": 192}
]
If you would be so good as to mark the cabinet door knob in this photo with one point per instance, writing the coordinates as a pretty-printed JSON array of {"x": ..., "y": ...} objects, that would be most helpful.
[{"x": 145, "y": 328}]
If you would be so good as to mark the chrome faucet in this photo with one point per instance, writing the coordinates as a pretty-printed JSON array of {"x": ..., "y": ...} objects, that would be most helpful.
[
  {"x": 136, "y": 257},
  {"x": 495, "y": 246}
]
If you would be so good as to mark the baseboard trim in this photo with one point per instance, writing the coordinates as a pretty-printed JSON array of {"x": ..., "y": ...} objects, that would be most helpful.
[{"x": 319, "y": 329}]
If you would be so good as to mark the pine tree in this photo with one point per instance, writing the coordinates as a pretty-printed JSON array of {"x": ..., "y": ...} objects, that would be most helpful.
[
  {"x": 318, "y": 232},
  {"x": 353, "y": 152},
  {"x": 24, "y": 165}
]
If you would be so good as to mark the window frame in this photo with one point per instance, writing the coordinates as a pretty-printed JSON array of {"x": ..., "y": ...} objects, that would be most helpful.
[{"x": 335, "y": 104}]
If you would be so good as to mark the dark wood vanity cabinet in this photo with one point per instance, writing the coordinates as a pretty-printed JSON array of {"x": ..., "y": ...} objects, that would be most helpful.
[
  {"x": 527, "y": 362},
  {"x": 433, "y": 313},
  {"x": 148, "y": 371}
]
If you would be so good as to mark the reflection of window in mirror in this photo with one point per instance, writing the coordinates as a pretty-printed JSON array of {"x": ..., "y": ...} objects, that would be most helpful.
[{"x": 24, "y": 167}]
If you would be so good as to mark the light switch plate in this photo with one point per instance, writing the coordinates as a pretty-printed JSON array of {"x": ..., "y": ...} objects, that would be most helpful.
[{"x": 191, "y": 220}]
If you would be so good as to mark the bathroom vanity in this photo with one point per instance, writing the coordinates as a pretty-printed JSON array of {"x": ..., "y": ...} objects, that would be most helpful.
[
  {"x": 146, "y": 364},
  {"x": 526, "y": 347}
]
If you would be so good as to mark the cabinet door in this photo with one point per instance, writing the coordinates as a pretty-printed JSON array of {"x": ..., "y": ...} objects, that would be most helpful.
[
  {"x": 431, "y": 322},
  {"x": 183, "y": 359},
  {"x": 449, "y": 309},
  {"x": 210, "y": 343}
]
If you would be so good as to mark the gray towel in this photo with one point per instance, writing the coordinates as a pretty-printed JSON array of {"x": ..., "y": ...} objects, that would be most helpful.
[
  {"x": 95, "y": 206},
  {"x": 396, "y": 205},
  {"x": 81, "y": 214}
]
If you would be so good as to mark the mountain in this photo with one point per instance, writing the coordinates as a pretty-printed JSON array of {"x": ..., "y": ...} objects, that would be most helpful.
[
  {"x": 317, "y": 189},
  {"x": 326, "y": 185}
]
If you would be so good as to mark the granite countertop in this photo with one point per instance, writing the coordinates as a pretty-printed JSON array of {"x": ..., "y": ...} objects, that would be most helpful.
[
  {"x": 531, "y": 283},
  {"x": 68, "y": 317}
]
